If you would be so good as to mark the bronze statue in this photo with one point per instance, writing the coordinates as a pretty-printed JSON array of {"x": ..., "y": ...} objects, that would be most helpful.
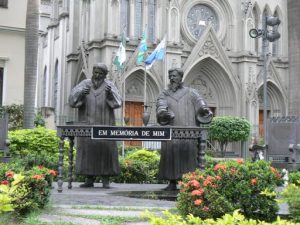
[
  {"x": 96, "y": 100},
  {"x": 179, "y": 106}
]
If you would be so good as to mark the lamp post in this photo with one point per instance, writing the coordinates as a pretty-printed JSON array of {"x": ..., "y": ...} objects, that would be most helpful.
[{"x": 267, "y": 36}]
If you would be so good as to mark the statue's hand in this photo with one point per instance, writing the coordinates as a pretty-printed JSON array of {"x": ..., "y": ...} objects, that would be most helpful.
[
  {"x": 165, "y": 117},
  {"x": 204, "y": 115},
  {"x": 86, "y": 90},
  {"x": 108, "y": 90},
  {"x": 206, "y": 112}
]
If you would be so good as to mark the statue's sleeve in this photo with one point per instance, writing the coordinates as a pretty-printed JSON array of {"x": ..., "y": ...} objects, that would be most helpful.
[
  {"x": 161, "y": 104},
  {"x": 114, "y": 100},
  {"x": 164, "y": 115},
  {"x": 202, "y": 111},
  {"x": 77, "y": 97}
]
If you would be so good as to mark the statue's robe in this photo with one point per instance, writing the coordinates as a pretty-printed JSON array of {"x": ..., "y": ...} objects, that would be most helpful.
[
  {"x": 179, "y": 156},
  {"x": 96, "y": 157}
]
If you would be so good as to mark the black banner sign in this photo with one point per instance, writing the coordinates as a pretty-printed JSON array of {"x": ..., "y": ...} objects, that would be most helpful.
[{"x": 131, "y": 133}]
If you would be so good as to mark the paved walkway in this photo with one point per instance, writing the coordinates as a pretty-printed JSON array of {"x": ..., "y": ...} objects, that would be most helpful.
[{"x": 72, "y": 204}]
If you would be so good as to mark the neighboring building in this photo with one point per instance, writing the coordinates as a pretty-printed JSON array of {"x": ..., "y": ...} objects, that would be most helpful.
[
  {"x": 208, "y": 38},
  {"x": 12, "y": 51}
]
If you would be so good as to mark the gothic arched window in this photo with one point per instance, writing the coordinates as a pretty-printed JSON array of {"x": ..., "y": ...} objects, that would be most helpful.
[
  {"x": 138, "y": 18},
  {"x": 124, "y": 19},
  {"x": 275, "y": 44},
  {"x": 256, "y": 25},
  {"x": 44, "y": 87},
  {"x": 55, "y": 86},
  {"x": 151, "y": 20},
  {"x": 264, "y": 15}
]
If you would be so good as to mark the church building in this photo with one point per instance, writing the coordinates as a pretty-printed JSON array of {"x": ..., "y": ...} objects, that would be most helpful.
[{"x": 208, "y": 39}]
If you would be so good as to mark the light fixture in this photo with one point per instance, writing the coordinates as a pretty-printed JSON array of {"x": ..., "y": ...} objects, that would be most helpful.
[{"x": 255, "y": 33}]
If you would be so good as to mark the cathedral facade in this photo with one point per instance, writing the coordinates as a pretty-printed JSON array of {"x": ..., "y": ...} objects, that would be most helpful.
[{"x": 208, "y": 39}]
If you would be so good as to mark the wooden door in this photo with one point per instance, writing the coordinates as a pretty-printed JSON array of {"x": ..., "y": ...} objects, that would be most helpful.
[
  {"x": 261, "y": 122},
  {"x": 133, "y": 117}
]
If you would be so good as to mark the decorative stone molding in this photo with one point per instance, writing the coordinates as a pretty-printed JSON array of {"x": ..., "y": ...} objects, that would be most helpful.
[
  {"x": 201, "y": 86},
  {"x": 251, "y": 86},
  {"x": 246, "y": 6},
  {"x": 285, "y": 119},
  {"x": 73, "y": 57},
  {"x": 45, "y": 2},
  {"x": 209, "y": 49}
]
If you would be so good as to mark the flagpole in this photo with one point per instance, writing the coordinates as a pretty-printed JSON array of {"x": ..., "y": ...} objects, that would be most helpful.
[
  {"x": 145, "y": 87},
  {"x": 123, "y": 114}
]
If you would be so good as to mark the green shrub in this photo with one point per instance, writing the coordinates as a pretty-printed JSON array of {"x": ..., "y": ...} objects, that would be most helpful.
[
  {"x": 38, "y": 146},
  {"x": 15, "y": 115},
  {"x": 235, "y": 218},
  {"x": 139, "y": 166},
  {"x": 294, "y": 178},
  {"x": 291, "y": 195},
  {"x": 39, "y": 121},
  {"x": 5, "y": 199},
  {"x": 145, "y": 156},
  {"x": 228, "y": 186},
  {"x": 226, "y": 129}
]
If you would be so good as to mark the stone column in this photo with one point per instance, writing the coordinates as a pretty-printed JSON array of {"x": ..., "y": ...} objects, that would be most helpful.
[{"x": 294, "y": 56}]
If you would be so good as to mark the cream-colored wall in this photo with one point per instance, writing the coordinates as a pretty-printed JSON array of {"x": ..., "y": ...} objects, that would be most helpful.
[
  {"x": 14, "y": 15},
  {"x": 12, "y": 49}
]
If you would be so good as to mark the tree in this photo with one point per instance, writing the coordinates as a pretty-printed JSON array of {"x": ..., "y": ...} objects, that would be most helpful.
[
  {"x": 225, "y": 129},
  {"x": 31, "y": 51}
]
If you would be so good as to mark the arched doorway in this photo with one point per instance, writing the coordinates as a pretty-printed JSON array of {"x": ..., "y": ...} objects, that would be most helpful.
[
  {"x": 275, "y": 104},
  {"x": 134, "y": 100},
  {"x": 215, "y": 85}
]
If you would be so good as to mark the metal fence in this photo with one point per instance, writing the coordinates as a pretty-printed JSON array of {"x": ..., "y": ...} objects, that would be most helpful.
[
  {"x": 4, "y": 143},
  {"x": 282, "y": 132}
]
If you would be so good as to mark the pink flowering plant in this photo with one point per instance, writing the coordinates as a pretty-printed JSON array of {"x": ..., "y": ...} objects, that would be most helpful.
[{"x": 226, "y": 186}]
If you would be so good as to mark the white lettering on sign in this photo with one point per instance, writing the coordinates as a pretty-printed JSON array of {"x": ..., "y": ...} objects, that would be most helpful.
[
  {"x": 137, "y": 133},
  {"x": 159, "y": 133},
  {"x": 102, "y": 132},
  {"x": 124, "y": 133},
  {"x": 145, "y": 133}
]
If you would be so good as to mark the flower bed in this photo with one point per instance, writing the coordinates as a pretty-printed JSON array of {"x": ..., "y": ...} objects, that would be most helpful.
[
  {"x": 24, "y": 191},
  {"x": 230, "y": 185}
]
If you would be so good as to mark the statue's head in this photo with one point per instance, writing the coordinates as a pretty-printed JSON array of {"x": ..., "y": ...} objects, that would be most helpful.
[
  {"x": 176, "y": 70},
  {"x": 175, "y": 77},
  {"x": 100, "y": 66},
  {"x": 99, "y": 73}
]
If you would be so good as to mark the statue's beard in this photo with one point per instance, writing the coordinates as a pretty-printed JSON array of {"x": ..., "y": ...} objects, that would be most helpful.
[
  {"x": 96, "y": 82},
  {"x": 175, "y": 86}
]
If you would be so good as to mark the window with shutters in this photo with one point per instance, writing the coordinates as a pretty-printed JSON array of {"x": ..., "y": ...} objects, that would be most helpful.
[{"x": 3, "y": 3}]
